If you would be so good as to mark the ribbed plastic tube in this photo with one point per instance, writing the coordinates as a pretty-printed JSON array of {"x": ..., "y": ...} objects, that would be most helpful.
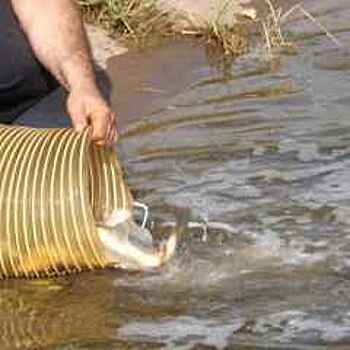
[{"x": 55, "y": 186}]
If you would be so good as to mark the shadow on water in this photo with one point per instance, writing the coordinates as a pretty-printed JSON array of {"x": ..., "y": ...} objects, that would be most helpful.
[
  {"x": 72, "y": 313},
  {"x": 254, "y": 159}
]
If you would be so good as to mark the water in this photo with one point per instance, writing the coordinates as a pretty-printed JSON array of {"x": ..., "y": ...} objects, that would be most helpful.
[{"x": 251, "y": 163}]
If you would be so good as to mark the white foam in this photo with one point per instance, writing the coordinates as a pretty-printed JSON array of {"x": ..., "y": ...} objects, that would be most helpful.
[{"x": 173, "y": 330}]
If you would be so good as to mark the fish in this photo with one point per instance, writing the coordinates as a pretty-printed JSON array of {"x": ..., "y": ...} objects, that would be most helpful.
[{"x": 131, "y": 247}]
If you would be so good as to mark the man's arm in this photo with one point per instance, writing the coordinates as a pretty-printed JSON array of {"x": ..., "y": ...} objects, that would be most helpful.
[{"x": 56, "y": 33}]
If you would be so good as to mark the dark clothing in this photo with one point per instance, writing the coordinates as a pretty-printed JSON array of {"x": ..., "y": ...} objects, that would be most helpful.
[{"x": 23, "y": 80}]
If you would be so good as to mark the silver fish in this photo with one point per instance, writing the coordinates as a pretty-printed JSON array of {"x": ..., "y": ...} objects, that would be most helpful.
[{"x": 130, "y": 246}]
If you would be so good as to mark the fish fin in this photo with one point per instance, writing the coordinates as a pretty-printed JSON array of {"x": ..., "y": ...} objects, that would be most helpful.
[{"x": 167, "y": 249}]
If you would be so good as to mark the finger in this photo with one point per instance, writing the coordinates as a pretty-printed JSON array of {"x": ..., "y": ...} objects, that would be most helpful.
[
  {"x": 99, "y": 143},
  {"x": 110, "y": 131},
  {"x": 109, "y": 140},
  {"x": 100, "y": 124},
  {"x": 80, "y": 126},
  {"x": 115, "y": 128},
  {"x": 78, "y": 116},
  {"x": 112, "y": 136}
]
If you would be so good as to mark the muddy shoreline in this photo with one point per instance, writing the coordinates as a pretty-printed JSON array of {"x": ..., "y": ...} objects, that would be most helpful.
[
  {"x": 184, "y": 14},
  {"x": 102, "y": 45},
  {"x": 139, "y": 79}
]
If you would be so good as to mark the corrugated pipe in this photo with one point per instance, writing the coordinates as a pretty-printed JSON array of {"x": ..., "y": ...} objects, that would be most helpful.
[{"x": 55, "y": 186}]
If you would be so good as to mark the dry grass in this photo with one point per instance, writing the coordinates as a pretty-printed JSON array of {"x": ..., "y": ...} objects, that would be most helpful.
[
  {"x": 231, "y": 38},
  {"x": 142, "y": 21},
  {"x": 132, "y": 19},
  {"x": 233, "y": 41},
  {"x": 272, "y": 25}
]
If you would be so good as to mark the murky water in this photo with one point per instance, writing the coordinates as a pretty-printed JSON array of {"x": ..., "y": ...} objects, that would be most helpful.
[{"x": 252, "y": 162}]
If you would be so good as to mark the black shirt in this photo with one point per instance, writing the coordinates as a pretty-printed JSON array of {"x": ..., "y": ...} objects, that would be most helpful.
[{"x": 23, "y": 80}]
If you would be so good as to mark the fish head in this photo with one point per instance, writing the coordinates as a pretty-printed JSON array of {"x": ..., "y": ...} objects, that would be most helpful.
[{"x": 129, "y": 246}]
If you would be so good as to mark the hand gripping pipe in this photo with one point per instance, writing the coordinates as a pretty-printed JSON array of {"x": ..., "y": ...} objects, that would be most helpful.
[{"x": 55, "y": 189}]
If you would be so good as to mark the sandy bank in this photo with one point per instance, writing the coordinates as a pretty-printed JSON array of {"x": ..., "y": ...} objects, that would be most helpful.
[
  {"x": 189, "y": 13},
  {"x": 103, "y": 46},
  {"x": 185, "y": 14}
]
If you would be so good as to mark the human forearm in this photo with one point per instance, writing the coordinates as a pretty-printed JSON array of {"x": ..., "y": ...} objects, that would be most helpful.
[{"x": 56, "y": 34}]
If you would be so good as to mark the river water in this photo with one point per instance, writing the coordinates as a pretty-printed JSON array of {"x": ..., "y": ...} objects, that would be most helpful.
[{"x": 250, "y": 163}]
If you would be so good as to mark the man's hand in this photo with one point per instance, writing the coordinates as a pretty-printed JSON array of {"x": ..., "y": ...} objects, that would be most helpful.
[
  {"x": 56, "y": 33},
  {"x": 89, "y": 109}
]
